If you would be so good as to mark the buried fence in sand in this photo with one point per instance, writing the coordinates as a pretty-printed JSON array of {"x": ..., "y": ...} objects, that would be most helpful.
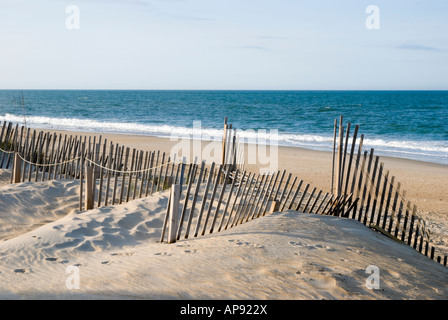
[{"x": 207, "y": 198}]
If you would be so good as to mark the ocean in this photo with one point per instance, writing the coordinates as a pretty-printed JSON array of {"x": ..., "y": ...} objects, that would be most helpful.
[{"x": 405, "y": 124}]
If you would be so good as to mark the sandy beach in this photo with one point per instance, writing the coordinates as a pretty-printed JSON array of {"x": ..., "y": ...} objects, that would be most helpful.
[
  {"x": 215, "y": 151},
  {"x": 114, "y": 251}
]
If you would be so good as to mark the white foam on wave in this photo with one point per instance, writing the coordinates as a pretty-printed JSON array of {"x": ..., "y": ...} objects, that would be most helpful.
[
  {"x": 89, "y": 125},
  {"x": 428, "y": 146},
  {"x": 434, "y": 151}
]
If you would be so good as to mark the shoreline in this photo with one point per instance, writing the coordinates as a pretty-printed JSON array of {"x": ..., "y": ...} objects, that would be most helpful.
[{"x": 416, "y": 150}]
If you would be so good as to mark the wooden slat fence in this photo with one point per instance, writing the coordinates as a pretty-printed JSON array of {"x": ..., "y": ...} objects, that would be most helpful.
[
  {"x": 218, "y": 199},
  {"x": 377, "y": 198},
  {"x": 118, "y": 174},
  {"x": 115, "y": 174}
]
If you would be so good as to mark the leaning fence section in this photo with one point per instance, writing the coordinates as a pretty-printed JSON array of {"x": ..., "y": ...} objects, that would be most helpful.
[
  {"x": 362, "y": 189},
  {"x": 378, "y": 199}
]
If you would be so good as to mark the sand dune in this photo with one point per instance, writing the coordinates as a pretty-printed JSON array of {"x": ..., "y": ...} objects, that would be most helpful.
[
  {"x": 286, "y": 255},
  {"x": 25, "y": 206}
]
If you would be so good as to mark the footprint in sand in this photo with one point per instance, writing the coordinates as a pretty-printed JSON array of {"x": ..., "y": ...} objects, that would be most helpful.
[
  {"x": 246, "y": 244},
  {"x": 106, "y": 262},
  {"x": 328, "y": 248},
  {"x": 296, "y": 244},
  {"x": 21, "y": 271},
  {"x": 162, "y": 254},
  {"x": 311, "y": 247},
  {"x": 51, "y": 259},
  {"x": 190, "y": 251},
  {"x": 183, "y": 245},
  {"x": 354, "y": 250},
  {"x": 80, "y": 265},
  {"x": 126, "y": 254}
]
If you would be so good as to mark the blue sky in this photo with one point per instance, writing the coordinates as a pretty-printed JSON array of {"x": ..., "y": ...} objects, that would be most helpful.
[{"x": 217, "y": 44}]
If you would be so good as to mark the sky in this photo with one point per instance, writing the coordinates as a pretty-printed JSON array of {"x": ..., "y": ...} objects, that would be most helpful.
[{"x": 224, "y": 44}]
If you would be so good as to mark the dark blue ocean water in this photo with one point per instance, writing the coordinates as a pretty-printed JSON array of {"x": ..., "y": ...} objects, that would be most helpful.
[{"x": 407, "y": 124}]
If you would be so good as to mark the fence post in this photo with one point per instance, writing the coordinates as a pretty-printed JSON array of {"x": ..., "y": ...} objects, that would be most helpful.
[
  {"x": 224, "y": 142},
  {"x": 81, "y": 175},
  {"x": 174, "y": 212},
  {"x": 339, "y": 162},
  {"x": 17, "y": 173},
  {"x": 275, "y": 205},
  {"x": 89, "y": 187},
  {"x": 334, "y": 153}
]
